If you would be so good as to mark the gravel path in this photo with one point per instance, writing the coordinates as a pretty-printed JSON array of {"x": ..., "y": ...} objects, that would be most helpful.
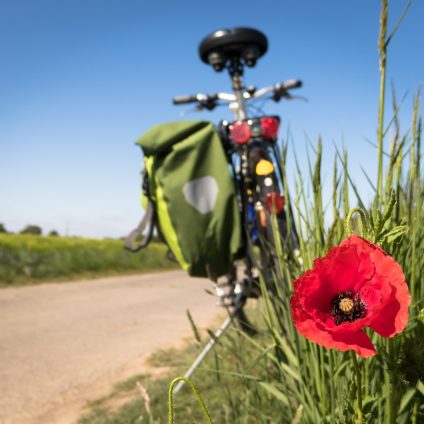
[{"x": 63, "y": 344}]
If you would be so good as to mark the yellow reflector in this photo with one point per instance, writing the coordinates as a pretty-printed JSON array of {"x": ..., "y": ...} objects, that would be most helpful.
[{"x": 264, "y": 167}]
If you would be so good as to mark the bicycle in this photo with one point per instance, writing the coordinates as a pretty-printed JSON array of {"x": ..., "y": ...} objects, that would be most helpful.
[{"x": 253, "y": 154}]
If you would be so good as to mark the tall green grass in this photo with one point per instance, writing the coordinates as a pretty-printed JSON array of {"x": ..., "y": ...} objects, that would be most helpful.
[
  {"x": 26, "y": 259},
  {"x": 310, "y": 383}
]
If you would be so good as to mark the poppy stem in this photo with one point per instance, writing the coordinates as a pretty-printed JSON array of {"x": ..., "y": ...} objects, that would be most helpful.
[
  {"x": 358, "y": 384},
  {"x": 195, "y": 391},
  {"x": 364, "y": 220}
]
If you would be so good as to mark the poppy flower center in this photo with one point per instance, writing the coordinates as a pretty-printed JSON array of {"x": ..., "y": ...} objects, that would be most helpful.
[{"x": 347, "y": 307}]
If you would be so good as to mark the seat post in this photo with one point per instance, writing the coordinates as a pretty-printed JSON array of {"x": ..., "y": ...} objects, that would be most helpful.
[{"x": 235, "y": 69}]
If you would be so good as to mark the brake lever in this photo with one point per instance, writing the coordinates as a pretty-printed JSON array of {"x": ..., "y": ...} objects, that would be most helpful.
[
  {"x": 278, "y": 96},
  {"x": 207, "y": 103},
  {"x": 286, "y": 95}
]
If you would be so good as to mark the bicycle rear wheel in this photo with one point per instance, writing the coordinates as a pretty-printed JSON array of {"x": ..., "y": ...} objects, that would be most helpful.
[{"x": 275, "y": 239}]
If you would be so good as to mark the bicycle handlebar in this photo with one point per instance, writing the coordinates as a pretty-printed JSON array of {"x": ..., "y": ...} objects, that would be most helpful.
[
  {"x": 278, "y": 91},
  {"x": 288, "y": 85},
  {"x": 181, "y": 100}
]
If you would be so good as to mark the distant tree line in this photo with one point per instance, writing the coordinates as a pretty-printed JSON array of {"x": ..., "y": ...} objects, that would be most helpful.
[{"x": 29, "y": 229}]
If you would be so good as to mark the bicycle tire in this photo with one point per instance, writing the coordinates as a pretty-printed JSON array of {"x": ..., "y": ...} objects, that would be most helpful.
[{"x": 264, "y": 184}]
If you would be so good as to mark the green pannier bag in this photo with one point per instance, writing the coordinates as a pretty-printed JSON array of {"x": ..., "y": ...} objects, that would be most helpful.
[{"x": 191, "y": 197}]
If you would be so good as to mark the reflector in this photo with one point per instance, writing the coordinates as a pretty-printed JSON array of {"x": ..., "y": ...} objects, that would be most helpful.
[
  {"x": 240, "y": 132},
  {"x": 274, "y": 202},
  {"x": 270, "y": 127}
]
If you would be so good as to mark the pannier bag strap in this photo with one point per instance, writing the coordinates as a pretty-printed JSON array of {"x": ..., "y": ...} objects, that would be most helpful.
[{"x": 147, "y": 221}]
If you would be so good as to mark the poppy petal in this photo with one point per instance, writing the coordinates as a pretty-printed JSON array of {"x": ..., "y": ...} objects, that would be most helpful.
[
  {"x": 346, "y": 267},
  {"x": 359, "y": 342},
  {"x": 394, "y": 316},
  {"x": 343, "y": 340}
]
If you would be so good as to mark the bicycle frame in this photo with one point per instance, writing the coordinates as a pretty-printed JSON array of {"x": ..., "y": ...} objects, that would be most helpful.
[{"x": 231, "y": 50}]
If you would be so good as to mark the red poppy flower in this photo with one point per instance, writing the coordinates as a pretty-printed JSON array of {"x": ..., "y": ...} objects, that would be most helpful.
[{"x": 356, "y": 285}]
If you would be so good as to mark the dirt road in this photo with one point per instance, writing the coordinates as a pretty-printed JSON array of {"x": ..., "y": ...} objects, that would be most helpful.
[{"x": 63, "y": 344}]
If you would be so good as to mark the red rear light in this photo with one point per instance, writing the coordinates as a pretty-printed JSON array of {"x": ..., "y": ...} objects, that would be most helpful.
[
  {"x": 274, "y": 203},
  {"x": 270, "y": 127},
  {"x": 240, "y": 132}
]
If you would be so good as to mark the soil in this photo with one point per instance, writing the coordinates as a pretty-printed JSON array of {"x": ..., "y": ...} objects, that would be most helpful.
[{"x": 63, "y": 345}]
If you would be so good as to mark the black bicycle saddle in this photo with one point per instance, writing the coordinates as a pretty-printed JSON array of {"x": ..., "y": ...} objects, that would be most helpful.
[{"x": 247, "y": 44}]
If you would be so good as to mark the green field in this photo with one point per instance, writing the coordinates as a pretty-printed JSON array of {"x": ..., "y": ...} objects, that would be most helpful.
[{"x": 27, "y": 259}]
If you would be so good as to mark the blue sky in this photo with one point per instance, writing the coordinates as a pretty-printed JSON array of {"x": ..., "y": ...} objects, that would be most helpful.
[{"x": 80, "y": 81}]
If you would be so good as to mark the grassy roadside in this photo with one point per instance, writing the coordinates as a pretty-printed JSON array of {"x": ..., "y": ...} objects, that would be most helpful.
[
  {"x": 128, "y": 402},
  {"x": 30, "y": 259},
  {"x": 231, "y": 395}
]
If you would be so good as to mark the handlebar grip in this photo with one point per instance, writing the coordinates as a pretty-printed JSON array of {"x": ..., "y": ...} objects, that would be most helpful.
[
  {"x": 181, "y": 100},
  {"x": 287, "y": 85}
]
